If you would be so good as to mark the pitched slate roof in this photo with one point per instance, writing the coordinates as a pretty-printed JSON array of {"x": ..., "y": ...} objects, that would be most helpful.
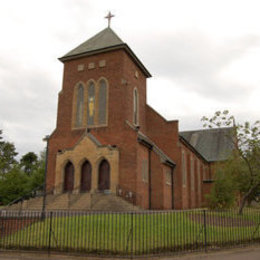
[
  {"x": 213, "y": 144},
  {"x": 104, "y": 41}
]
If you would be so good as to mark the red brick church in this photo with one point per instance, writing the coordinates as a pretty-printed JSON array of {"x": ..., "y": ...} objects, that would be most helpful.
[{"x": 108, "y": 140}]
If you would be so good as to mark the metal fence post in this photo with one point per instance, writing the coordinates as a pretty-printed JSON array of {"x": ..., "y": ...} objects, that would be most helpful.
[
  {"x": 1, "y": 229},
  {"x": 47, "y": 137},
  {"x": 50, "y": 231},
  {"x": 132, "y": 234},
  {"x": 205, "y": 231}
]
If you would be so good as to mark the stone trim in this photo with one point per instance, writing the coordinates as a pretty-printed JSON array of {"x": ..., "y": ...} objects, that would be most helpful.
[{"x": 87, "y": 149}]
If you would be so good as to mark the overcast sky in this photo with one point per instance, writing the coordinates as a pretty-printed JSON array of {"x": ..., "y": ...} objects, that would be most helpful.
[{"x": 204, "y": 56}]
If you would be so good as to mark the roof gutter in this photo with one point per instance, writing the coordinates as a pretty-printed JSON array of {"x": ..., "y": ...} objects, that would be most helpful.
[{"x": 145, "y": 143}]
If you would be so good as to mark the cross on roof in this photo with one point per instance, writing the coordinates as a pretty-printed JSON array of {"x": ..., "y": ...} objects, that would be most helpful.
[{"x": 109, "y": 17}]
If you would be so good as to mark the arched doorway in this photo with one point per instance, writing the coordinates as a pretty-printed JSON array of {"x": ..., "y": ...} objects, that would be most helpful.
[
  {"x": 85, "y": 181},
  {"x": 68, "y": 177},
  {"x": 104, "y": 176}
]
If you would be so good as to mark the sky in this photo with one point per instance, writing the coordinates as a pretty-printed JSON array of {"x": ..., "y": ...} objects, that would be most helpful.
[{"x": 203, "y": 55}]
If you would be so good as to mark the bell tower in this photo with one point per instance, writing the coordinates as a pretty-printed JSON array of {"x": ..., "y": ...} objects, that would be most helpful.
[
  {"x": 101, "y": 78},
  {"x": 103, "y": 89}
]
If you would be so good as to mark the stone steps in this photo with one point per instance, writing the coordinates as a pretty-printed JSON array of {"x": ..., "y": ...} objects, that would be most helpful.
[
  {"x": 16, "y": 206},
  {"x": 35, "y": 203},
  {"x": 111, "y": 202},
  {"x": 61, "y": 201},
  {"x": 82, "y": 201}
]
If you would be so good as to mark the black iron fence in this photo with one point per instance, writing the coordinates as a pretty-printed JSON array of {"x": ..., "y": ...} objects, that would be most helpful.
[{"x": 128, "y": 233}]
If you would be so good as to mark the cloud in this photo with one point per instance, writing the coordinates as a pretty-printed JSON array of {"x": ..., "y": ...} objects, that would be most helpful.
[
  {"x": 193, "y": 61},
  {"x": 27, "y": 105},
  {"x": 199, "y": 62}
]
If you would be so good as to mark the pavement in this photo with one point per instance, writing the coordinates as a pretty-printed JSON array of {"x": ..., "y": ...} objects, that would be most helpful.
[{"x": 248, "y": 253}]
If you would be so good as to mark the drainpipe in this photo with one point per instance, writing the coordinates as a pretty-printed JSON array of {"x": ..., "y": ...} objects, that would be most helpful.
[
  {"x": 150, "y": 177},
  {"x": 150, "y": 148},
  {"x": 172, "y": 181}
]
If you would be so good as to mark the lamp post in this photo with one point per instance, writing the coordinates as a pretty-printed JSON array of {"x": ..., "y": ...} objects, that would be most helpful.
[{"x": 45, "y": 139}]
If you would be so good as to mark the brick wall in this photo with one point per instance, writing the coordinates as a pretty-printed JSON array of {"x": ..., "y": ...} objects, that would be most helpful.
[
  {"x": 123, "y": 76},
  {"x": 194, "y": 198},
  {"x": 143, "y": 183},
  {"x": 120, "y": 72}
]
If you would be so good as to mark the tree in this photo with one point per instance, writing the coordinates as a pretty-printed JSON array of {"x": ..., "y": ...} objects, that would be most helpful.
[
  {"x": 13, "y": 185},
  {"x": 7, "y": 155},
  {"x": 222, "y": 194},
  {"x": 17, "y": 183},
  {"x": 19, "y": 180},
  {"x": 37, "y": 175},
  {"x": 29, "y": 162},
  {"x": 244, "y": 160}
]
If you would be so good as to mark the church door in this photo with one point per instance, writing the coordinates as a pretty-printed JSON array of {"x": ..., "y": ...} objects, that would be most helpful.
[
  {"x": 104, "y": 176},
  {"x": 85, "y": 182},
  {"x": 69, "y": 177}
]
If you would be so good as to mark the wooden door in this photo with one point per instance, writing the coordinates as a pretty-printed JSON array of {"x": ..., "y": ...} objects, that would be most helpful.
[
  {"x": 104, "y": 176},
  {"x": 85, "y": 182},
  {"x": 69, "y": 177}
]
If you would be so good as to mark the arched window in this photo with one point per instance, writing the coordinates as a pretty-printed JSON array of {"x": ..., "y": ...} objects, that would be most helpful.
[
  {"x": 104, "y": 176},
  {"x": 199, "y": 182},
  {"x": 102, "y": 103},
  {"x": 69, "y": 177},
  {"x": 192, "y": 177},
  {"x": 97, "y": 96},
  {"x": 80, "y": 106},
  {"x": 136, "y": 110},
  {"x": 184, "y": 168},
  {"x": 91, "y": 104},
  {"x": 85, "y": 180}
]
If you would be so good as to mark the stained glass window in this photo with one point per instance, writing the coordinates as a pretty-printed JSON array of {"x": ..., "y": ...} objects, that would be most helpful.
[
  {"x": 80, "y": 106},
  {"x": 102, "y": 103},
  {"x": 91, "y": 104}
]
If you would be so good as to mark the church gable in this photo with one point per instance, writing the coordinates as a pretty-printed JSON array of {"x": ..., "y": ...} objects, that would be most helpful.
[{"x": 89, "y": 150}]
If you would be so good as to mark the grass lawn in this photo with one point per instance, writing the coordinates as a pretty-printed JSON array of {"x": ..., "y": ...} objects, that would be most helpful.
[{"x": 123, "y": 233}]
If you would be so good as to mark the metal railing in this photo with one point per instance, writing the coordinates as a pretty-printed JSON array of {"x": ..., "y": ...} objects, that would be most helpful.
[
  {"x": 130, "y": 196},
  {"x": 128, "y": 233},
  {"x": 38, "y": 191}
]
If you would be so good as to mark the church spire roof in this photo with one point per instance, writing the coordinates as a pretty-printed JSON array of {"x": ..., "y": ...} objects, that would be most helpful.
[{"x": 106, "y": 40}]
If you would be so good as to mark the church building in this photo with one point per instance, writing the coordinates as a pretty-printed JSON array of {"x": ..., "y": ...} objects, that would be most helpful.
[{"x": 109, "y": 140}]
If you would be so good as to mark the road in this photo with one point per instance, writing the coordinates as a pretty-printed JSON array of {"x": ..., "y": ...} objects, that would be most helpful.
[{"x": 249, "y": 253}]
